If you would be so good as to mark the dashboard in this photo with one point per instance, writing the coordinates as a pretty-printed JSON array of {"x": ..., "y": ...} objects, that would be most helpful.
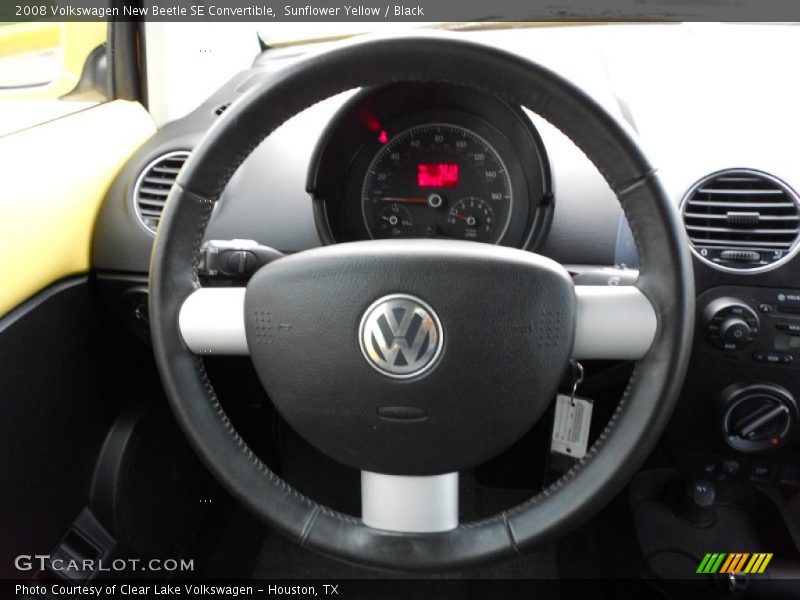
[{"x": 409, "y": 161}]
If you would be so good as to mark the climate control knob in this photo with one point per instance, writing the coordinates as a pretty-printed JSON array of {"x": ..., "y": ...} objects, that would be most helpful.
[
  {"x": 757, "y": 417},
  {"x": 729, "y": 323}
]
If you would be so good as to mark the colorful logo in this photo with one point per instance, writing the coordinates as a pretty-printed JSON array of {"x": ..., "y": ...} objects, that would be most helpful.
[{"x": 742, "y": 562}]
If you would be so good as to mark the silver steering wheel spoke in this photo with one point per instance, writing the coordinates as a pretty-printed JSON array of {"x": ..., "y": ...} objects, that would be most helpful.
[
  {"x": 412, "y": 504},
  {"x": 211, "y": 321},
  {"x": 612, "y": 322}
]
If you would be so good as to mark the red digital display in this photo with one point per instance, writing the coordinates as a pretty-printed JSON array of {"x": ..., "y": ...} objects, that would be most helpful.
[{"x": 437, "y": 175}]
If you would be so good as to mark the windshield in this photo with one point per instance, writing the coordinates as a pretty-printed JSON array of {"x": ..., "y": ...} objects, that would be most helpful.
[
  {"x": 288, "y": 33},
  {"x": 291, "y": 33}
]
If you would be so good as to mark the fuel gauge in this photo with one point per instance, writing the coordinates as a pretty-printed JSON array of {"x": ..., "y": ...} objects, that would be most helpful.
[{"x": 394, "y": 220}]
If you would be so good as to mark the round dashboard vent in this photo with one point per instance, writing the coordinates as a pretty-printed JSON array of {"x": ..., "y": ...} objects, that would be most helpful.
[
  {"x": 742, "y": 220},
  {"x": 153, "y": 186}
]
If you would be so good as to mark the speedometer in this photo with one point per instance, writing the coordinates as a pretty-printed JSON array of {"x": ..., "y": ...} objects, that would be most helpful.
[{"x": 437, "y": 180}]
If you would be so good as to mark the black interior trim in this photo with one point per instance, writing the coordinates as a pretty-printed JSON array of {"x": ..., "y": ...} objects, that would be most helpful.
[{"x": 126, "y": 64}]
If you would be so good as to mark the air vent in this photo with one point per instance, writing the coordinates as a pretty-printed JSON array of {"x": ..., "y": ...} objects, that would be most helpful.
[
  {"x": 742, "y": 220},
  {"x": 153, "y": 186},
  {"x": 221, "y": 108}
]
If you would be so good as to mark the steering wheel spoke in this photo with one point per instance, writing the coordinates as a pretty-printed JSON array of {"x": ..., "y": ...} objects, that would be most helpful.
[
  {"x": 612, "y": 322},
  {"x": 411, "y": 504},
  {"x": 211, "y": 321}
]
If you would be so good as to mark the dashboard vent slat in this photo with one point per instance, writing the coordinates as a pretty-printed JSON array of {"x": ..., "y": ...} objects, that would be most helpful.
[
  {"x": 154, "y": 191},
  {"x": 159, "y": 180},
  {"x": 742, "y": 213},
  {"x": 153, "y": 186},
  {"x": 725, "y": 204},
  {"x": 145, "y": 202},
  {"x": 737, "y": 179},
  {"x": 149, "y": 212},
  {"x": 737, "y": 245},
  {"x": 725, "y": 217},
  {"x": 740, "y": 192},
  {"x": 735, "y": 231},
  {"x": 166, "y": 170}
]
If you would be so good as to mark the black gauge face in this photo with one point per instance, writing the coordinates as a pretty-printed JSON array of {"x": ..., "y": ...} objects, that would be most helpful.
[{"x": 437, "y": 180}]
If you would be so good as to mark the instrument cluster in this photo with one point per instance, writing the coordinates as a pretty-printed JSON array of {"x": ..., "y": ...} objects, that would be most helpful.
[{"x": 431, "y": 161}]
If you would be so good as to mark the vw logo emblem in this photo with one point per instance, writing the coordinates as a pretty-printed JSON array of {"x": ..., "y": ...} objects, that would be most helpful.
[{"x": 400, "y": 336}]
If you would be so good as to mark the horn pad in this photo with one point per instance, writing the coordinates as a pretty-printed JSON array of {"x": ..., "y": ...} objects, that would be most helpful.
[{"x": 412, "y": 357}]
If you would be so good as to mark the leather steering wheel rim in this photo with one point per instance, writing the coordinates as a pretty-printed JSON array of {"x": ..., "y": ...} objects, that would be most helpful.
[{"x": 665, "y": 279}]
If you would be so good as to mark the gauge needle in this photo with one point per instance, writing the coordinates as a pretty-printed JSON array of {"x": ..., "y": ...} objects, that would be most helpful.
[
  {"x": 469, "y": 220},
  {"x": 404, "y": 200}
]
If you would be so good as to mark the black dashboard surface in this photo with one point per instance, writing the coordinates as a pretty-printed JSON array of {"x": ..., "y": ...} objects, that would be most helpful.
[{"x": 271, "y": 200}]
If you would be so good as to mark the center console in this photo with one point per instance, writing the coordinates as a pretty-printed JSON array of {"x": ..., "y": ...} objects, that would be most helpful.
[
  {"x": 737, "y": 419},
  {"x": 733, "y": 450}
]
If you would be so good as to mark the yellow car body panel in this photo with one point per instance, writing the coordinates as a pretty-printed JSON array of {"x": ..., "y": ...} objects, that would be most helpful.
[{"x": 56, "y": 176}]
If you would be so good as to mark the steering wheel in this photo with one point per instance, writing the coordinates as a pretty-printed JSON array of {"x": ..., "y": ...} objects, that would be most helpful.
[{"x": 411, "y": 360}]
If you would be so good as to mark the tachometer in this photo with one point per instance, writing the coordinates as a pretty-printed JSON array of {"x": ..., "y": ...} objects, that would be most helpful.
[
  {"x": 445, "y": 177},
  {"x": 472, "y": 219}
]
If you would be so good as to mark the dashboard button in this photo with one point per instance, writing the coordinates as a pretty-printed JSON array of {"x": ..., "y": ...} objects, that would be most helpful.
[
  {"x": 790, "y": 327},
  {"x": 730, "y": 470},
  {"x": 731, "y": 467},
  {"x": 766, "y": 308},
  {"x": 760, "y": 472},
  {"x": 774, "y": 358},
  {"x": 734, "y": 332}
]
